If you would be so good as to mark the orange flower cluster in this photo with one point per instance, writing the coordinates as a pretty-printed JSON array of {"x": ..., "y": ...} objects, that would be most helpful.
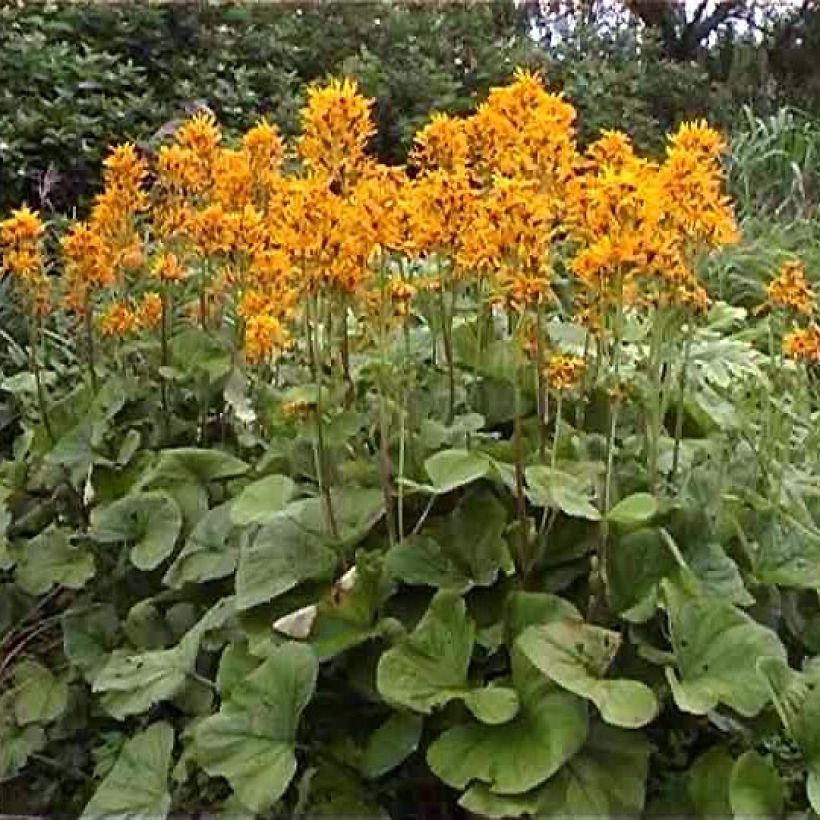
[
  {"x": 21, "y": 244},
  {"x": 493, "y": 201},
  {"x": 803, "y": 344},
  {"x": 564, "y": 372},
  {"x": 639, "y": 224},
  {"x": 789, "y": 290}
]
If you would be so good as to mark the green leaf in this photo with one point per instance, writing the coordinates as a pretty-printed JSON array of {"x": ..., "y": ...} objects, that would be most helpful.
[
  {"x": 137, "y": 786},
  {"x": 463, "y": 550},
  {"x": 235, "y": 665},
  {"x": 355, "y": 510},
  {"x": 796, "y": 696},
  {"x": 516, "y": 756},
  {"x": 187, "y": 464},
  {"x": 347, "y": 616},
  {"x": 716, "y": 649},
  {"x": 636, "y": 564},
  {"x": 451, "y": 469},
  {"x": 150, "y": 521},
  {"x": 576, "y": 656},
  {"x": 51, "y": 559},
  {"x": 39, "y": 696},
  {"x": 634, "y": 510},
  {"x": 262, "y": 499},
  {"x": 571, "y": 494},
  {"x": 391, "y": 744},
  {"x": 133, "y": 682},
  {"x": 755, "y": 788},
  {"x": 89, "y": 634},
  {"x": 282, "y": 556},
  {"x": 523, "y": 609},
  {"x": 708, "y": 784},
  {"x": 605, "y": 780},
  {"x": 211, "y": 551},
  {"x": 18, "y": 742},
  {"x": 251, "y": 741},
  {"x": 428, "y": 668},
  {"x": 493, "y": 704}
]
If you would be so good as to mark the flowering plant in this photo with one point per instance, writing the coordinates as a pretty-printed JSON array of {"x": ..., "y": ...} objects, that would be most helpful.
[{"x": 347, "y": 476}]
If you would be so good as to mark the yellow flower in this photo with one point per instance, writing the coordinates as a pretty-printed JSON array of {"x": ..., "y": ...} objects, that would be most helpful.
[
  {"x": 336, "y": 126},
  {"x": 803, "y": 344},
  {"x": 263, "y": 145},
  {"x": 149, "y": 310},
  {"x": 264, "y": 335},
  {"x": 200, "y": 134},
  {"x": 22, "y": 256},
  {"x": 442, "y": 143},
  {"x": 118, "y": 319},
  {"x": 564, "y": 372},
  {"x": 790, "y": 290},
  {"x": 168, "y": 267}
]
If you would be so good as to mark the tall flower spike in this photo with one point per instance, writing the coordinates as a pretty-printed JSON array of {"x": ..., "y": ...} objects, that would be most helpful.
[{"x": 336, "y": 126}]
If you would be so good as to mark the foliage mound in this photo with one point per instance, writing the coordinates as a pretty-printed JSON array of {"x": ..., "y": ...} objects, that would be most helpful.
[{"x": 338, "y": 488}]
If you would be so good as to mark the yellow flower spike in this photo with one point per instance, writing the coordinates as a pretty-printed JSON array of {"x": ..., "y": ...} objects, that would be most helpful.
[
  {"x": 118, "y": 319},
  {"x": 149, "y": 311},
  {"x": 264, "y": 146},
  {"x": 442, "y": 143},
  {"x": 200, "y": 134},
  {"x": 336, "y": 127}
]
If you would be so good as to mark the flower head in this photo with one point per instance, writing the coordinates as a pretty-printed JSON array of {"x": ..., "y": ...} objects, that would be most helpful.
[{"x": 790, "y": 290}]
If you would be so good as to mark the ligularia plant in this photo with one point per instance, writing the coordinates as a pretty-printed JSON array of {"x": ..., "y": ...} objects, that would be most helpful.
[{"x": 338, "y": 487}]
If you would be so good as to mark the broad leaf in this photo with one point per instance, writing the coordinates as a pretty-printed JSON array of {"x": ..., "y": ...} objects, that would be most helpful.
[
  {"x": 132, "y": 683},
  {"x": 211, "y": 551},
  {"x": 18, "y": 742},
  {"x": 796, "y": 696},
  {"x": 39, "y": 696},
  {"x": 137, "y": 786},
  {"x": 391, "y": 744},
  {"x": 576, "y": 656},
  {"x": 262, "y": 499},
  {"x": 755, "y": 788},
  {"x": 516, "y": 756},
  {"x": 708, "y": 783},
  {"x": 571, "y": 494},
  {"x": 450, "y": 469},
  {"x": 282, "y": 555},
  {"x": 716, "y": 648},
  {"x": 192, "y": 464},
  {"x": 605, "y": 780},
  {"x": 633, "y": 511},
  {"x": 429, "y": 667},
  {"x": 462, "y": 550},
  {"x": 89, "y": 635},
  {"x": 149, "y": 522},
  {"x": 51, "y": 559},
  {"x": 251, "y": 741}
]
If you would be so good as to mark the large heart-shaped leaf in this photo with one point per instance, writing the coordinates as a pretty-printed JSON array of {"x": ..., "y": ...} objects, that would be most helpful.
[
  {"x": 132, "y": 683},
  {"x": 429, "y": 667},
  {"x": 283, "y": 555},
  {"x": 605, "y": 780},
  {"x": 571, "y": 494},
  {"x": 150, "y": 522},
  {"x": 50, "y": 559},
  {"x": 463, "y": 550},
  {"x": 211, "y": 551},
  {"x": 137, "y": 785},
  {"x": 716, "y": 648},
  {"x": 513, "y": 757},
  {"x": 90, "y": 633},
  {"x": 18, "y": 742},
  {"x": 39, "y": 696},
  {"x": 251, "y": 741},
  {"x": 635, "y": 510},
  {"x": 451, "y": 469},
  {"x": 576, "y": 656},
  {"x": 796, "y": 696},
  {"x": 755, "y": 788},
  {"x": 261, "y": 499},
  {"x": 192, "y": 464}
]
